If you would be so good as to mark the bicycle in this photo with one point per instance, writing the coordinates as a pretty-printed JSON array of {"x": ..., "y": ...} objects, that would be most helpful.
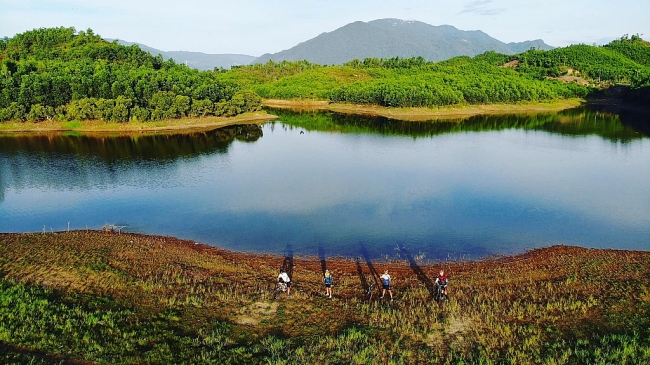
[
  {"x": 440, "y": 292},
  {"x": 369, "y": 291},
  {"x": 280, "y": 288}
]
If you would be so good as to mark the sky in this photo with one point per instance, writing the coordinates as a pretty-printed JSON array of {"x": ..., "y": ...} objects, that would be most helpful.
[{"x": 255, "y": 27}]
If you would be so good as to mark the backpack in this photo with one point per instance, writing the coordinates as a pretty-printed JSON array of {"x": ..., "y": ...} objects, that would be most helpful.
[{"x": 328, "y": 279}]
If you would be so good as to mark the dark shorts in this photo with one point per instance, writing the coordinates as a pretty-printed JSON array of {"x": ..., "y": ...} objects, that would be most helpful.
[
  {"x": 328, "y": 285},
  {"x": 288, "y": 284},
  {"x": 386, "y": 286}
]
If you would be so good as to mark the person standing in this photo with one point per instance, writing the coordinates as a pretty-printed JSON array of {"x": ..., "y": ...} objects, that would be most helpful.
[
  {"x": 328, "y": 284},
  {"x": 284, "y": 278},
  {"x": 385, "y": 282}
]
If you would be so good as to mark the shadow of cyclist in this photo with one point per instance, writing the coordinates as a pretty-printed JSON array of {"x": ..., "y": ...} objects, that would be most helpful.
[
  {"x": 419, "y": 272},
  {"x": 373, "y": 272},
  {"x": 322, "y": 258},
  {"x": 287, "y": 263}
]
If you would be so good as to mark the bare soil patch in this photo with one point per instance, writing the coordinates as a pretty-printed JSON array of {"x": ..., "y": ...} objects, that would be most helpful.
[
  {"x": 256, "y": 312},
  {"x": 568, "y": 79}
]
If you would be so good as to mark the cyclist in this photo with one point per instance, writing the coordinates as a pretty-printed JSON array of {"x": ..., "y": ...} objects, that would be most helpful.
[
  {"x": 284, "y": 278},
  {"x": 385, "y": 282},
  {"x": 441, "y": 281},
  {"x": 328, "y": 284}
]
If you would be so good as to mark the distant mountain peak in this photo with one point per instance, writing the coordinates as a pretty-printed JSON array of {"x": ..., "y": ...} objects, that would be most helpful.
[
  {"x": 391, "y": 37},
  {"x": 198, "y": 60}
]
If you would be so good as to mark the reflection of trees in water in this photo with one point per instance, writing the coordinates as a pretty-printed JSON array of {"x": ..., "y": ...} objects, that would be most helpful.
[
  {"x": 637, "y": 118},
  {"x": 112, "y": 149},
  {"x": 73, "y": 161},
  {"x": 3, "y": 177},
  {"x": 577, "y": 121}
]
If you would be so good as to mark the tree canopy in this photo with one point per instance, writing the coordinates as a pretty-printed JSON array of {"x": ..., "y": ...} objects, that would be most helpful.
[
  {"x": 68, "y": 75},
  {"x": 491, "y": 77}
]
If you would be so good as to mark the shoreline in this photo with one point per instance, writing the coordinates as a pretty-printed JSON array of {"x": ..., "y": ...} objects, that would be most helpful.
[
  {"x": 208, "y": 123},
  {"x": 205, "y": 248},
  {"x": 425, "y": 114},
  {"x": 167, "y": 290},
  {"x": 413, "y": 114},
  {"x": 153, "y": 127}
]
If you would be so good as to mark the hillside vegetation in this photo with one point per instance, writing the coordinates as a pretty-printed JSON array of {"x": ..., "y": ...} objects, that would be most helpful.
[
  {"x": 532, "y": 76},
  {"x": 65, "y": 75},
  {"x": 108, "y": 298},
  {"x": 58, "y": 73}
]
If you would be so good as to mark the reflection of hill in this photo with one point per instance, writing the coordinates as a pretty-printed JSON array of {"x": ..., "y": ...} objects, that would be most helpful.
[
  {"x": 76, "y": 161},
  {"x": 3, "y": 186},
  {"x": 132, "y": 148},
  {"x": 578, "y": 121}
]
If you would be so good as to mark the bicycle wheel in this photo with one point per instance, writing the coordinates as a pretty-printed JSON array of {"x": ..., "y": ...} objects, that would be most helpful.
[{"x": 277, "y": 291}]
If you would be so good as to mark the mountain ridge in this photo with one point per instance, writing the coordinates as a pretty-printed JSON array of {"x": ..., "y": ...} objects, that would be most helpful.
[
  {"x": 199, "y": 60},
  {"x": 390, "y": 37},
  {"x": 381, "y": 38}
]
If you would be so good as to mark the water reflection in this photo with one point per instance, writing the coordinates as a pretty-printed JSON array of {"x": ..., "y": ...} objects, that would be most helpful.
[
  {"x": 579, "y": 121},
  {"x": 64, "y": 161},
  {"x": 406, "y": 190},
  {"x": 128, "y": 148}
]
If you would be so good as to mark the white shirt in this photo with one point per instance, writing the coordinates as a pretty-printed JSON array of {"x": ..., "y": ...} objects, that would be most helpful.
[
  {"x": 385, "y": 277},
  {"x": 284, "y": 277}
]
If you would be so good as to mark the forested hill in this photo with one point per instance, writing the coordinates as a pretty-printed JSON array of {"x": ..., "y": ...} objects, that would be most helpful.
[
  {"x": 59, "y": 73},
  {"x": 387, "y": 38},
  {"x": 491, "y": 77}
]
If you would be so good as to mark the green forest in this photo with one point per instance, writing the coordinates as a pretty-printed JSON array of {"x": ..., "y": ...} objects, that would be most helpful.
[
  {"x": 532, "y": 76},
  {"x": 59, "y": 73},
  {"x": 62, "y": 74}
]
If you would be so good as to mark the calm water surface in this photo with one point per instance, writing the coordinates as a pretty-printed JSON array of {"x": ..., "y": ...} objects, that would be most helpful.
[{"x": 348, "y": 185}]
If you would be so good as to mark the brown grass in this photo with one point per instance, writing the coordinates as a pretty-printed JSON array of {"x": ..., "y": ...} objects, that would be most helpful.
[{"x": 547, "y": 294}]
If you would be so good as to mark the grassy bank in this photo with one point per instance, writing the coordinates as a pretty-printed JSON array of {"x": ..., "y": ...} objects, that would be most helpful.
[
  {"x": 95, "y": 297},
  {"x": 424, "y": 114},
  {"x": 167, "y": 125},
  {"x": 206, "y": 123}
]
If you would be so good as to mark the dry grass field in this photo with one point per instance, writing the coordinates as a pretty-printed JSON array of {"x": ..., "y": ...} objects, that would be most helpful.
[{"x": 101, "y": 297}]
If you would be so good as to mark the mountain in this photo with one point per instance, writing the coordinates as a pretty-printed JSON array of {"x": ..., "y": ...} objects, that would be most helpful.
[
  {"x": 198, "y": 60},
  {"x": 386, "y": 38}
]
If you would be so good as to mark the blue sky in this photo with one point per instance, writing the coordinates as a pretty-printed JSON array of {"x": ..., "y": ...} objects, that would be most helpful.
[{"x": 254, "y": 27}]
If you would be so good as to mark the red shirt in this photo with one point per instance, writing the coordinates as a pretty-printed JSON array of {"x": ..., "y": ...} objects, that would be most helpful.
[{"x": 442, "y": 279}]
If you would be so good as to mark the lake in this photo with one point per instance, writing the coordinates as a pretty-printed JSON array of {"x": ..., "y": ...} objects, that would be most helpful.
[{"x": 327, "y": 184}]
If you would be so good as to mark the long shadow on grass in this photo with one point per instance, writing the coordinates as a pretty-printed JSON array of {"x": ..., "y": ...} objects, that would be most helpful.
[
  {"x": 371, "y": 267},
  {"x": 321, "y": 257},
  {"x": 287, "y": 263},
  {"x": 362, "y": 277},
  {"x": 419, "y": 272}
]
